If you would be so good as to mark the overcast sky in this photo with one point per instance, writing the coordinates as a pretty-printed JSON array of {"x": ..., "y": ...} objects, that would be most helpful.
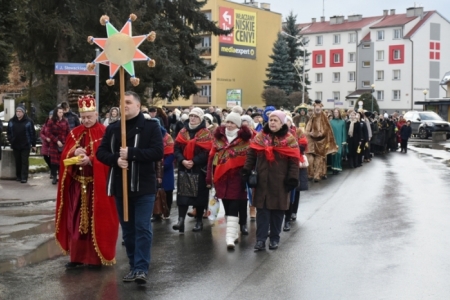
[{"x": 305, "y": 10}]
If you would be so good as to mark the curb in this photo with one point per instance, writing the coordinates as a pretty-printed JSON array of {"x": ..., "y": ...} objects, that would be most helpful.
[{"x": 23, "y": 203}]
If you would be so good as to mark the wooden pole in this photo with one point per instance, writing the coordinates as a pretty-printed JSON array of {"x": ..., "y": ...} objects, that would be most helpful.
[{"x": 124, "y": 143}]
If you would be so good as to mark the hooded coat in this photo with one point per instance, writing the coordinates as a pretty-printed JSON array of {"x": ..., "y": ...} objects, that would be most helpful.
[
  {"x": 230, "y": 185},
  {"x": 275, "y": 179}
]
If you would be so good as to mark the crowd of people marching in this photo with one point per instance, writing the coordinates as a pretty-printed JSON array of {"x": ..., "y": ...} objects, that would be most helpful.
[{"x": 255, "y": 161}]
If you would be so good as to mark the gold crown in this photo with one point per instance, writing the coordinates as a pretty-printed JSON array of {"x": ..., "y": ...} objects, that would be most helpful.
[{"x": 86, "y": 103}]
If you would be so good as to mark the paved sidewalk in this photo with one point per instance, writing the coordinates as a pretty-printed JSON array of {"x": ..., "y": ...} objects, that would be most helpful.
[{"x": 39, "y": 188}]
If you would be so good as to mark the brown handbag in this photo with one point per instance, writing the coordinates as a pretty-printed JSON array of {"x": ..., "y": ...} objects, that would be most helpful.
[{"x": 160, "y": 207}]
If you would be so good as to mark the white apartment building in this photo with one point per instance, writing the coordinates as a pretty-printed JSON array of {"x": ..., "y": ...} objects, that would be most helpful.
[{"x": 402, "y": 55}]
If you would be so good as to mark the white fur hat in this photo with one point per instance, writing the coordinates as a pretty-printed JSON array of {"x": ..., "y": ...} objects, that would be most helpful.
[
  {"x": 237, "y": 109},
  {"x": 197, "y": 111},
  {"x": 249, "y": 120},
  {"x": 184, "y": 117},
  {"x": 210, "y": 118},
  {"x": 235, "y": 118}
]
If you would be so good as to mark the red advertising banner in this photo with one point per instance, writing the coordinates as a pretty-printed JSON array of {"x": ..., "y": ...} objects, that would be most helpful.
[{"x": 226, "y": 21}]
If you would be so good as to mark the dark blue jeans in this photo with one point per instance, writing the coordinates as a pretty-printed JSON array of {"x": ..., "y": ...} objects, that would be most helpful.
[{"x": 137, "y": 232}]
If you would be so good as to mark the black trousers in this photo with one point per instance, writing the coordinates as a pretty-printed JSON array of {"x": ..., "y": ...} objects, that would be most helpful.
[
  {"x": 47, "y": 161},
  {"x": 293, "y": 207},
  {"x": 54, "y": 170},
  {"x": 169, "y": 199},
  {"x": 22, "y": 163},
  {"x": 404, "y": 145},
  {"x": 236, "y": 208},
  {"x": 269, "y": 218}
]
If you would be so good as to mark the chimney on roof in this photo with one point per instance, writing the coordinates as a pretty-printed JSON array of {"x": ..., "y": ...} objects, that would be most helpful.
[
  {"x": 336, "y": 20},
  {"x": 313, "y": 20},
  {"x": 414, "y": 12},
  {"x": 385, "y": 12},
  {"x": 265, "y": 6},
  {"x": 354, "y": 18},
  {"x": 322, "y": 19},
  {"x": 392, "y": 12}
]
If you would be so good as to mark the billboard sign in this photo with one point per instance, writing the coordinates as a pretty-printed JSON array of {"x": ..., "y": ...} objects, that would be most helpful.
[
  {"x": 242, "y": 41},
  {"x": 234, "y": 97},
  {"x": 64, "y": 68}
]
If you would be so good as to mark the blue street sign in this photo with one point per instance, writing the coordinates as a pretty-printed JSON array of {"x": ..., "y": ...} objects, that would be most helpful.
[{"x": 64, "y": 68}]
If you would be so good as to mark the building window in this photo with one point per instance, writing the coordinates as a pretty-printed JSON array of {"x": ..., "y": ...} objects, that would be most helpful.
[
  {"x": 336, "y": 77},
  {"x": 380, "y": 95},
  {"x": 380, "y": 55},
  {"x": 396, "y": 95},
  {"x": 319, "y": 96},
  {"x": 435, "y": 50},
  {"x": 380, "y": 75},
  {"x": 366, "y": 83},
  {"x": 336, "y": 95},
  {"x": 319, "y": 59},
  {"x": 397, "y": 55},
  {"x": 208, "y": 15},
  {"x": 337, "y": 58},
  {"x": 366, "y": 46},
  {"x": 396, "y": 75},
  {"x": 366, "y": 64},
  {"x": 397, "y": 34},
  {"x": 319, "y": 40},
  {"x": 336, "y": 38},
  {"x": 352, "y": 57},
  {"x": 352, "y": 103},
  {"x": 318, "y": 77},
  {"x": 351, "y": 76},
  {"x": 352, "y": 37},
  {"x": 380, "y": 35}
]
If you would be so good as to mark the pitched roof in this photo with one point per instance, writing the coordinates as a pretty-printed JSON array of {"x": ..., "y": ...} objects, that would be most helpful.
[
  {"x": 393, "y": 20},
  {"x": 319, "y": 27},
  {"x": 366, "y": 38},
  {"x": 358, "y": 93},
  {"x": 426, "y": 16}
]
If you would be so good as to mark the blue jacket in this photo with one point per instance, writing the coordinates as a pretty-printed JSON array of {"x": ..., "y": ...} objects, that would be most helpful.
[
  {"x": 405, "y": 132},
  {"x": 21, "y": 133}
]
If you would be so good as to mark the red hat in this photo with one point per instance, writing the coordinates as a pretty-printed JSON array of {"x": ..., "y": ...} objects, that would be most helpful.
[{"x": 86, "y": 103}]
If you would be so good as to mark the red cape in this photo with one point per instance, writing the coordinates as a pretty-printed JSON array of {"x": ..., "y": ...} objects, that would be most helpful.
[{"x": 105, "y": 223}]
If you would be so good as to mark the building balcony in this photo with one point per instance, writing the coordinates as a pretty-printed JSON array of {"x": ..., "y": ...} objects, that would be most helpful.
[{"x": 201, "y": 99}]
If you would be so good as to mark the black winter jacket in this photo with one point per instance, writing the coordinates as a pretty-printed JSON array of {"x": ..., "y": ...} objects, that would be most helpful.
[{"x": 145, "y": 147}]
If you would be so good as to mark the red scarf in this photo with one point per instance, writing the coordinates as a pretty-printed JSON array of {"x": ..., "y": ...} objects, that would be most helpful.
[
  {"x": 168, "y": 144},
  {"x": 202, "y": 139},
  {"x": 228, "y": 156},
  {"x": 286, "y": 146}
]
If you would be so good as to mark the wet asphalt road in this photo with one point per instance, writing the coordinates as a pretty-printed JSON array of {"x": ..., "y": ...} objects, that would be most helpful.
[{"x": 376, "y": 232}]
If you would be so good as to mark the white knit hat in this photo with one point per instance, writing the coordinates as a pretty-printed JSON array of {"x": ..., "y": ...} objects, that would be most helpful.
[
  {"x": 197, "y": 111},
  {"x": 249, "y": 120},
  {"x": 235, "y": 118},
  {"x": 184, "y": 117},
  {"x": 210, "y": 118},
  {"x": 237, "y": 109}
]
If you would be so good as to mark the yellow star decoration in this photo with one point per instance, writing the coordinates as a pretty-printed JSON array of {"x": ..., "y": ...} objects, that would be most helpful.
[{"x": 120, "y": 49}]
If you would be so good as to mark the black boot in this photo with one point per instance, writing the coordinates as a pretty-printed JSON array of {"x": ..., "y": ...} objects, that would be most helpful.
[
  {"x": 198, "y": 226},
  {"x": 180, "y": 225},
  {"x": 350, "y": 162},
  {"x": 244, "y": 229}
]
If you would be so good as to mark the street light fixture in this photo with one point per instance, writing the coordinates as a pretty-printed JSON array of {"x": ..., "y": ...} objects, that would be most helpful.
[
  {"x": 425, "y": 92},
  {"x": 297, "y": 63},
  {"x": 373, "y": 90}
]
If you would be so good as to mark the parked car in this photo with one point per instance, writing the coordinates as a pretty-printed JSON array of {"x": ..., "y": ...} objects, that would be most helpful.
[{"x": 424, "y": 123}]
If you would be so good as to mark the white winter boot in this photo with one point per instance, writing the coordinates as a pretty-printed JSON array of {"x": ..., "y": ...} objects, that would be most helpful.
[{"x": 232, "y": 231}]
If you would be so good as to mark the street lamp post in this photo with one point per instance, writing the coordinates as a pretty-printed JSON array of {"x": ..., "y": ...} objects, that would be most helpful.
[
  {"x": 297, "y": 63},
  {"x": 425, "y": 92},
  {"x": 373, "y": 90}
]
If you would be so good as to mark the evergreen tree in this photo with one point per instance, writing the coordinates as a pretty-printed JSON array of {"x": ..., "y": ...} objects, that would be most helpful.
[
  {"x": 280, "y": 71},
  {"x": 6, "y": 22},
  {"x": 296, "y": 50},
  {"x": 56, "y": 31}
]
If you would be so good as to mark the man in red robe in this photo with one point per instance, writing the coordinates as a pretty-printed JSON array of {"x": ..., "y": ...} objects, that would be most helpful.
[{"x": 86, "y": 223}]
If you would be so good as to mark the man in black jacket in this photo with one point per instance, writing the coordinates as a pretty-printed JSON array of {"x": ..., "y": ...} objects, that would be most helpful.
[
  {"x": 144, "y": 149},
  {"x": 22, "y": 138},
  {"x": 72, "y": 118}
]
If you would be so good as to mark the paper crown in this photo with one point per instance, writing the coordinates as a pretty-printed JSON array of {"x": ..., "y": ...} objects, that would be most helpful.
[{"x": 86, "y": 103}]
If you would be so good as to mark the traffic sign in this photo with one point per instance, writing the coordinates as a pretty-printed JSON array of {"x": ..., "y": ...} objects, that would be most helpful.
[{"x": 64, "y": 68}]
